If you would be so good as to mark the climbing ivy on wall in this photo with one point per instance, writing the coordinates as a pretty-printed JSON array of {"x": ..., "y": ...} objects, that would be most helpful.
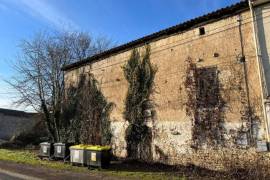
[
  {"x": 88, "y": 112},
  {"x": 95, "y": 112},
  {"x": 207, "y": 100},
  {"x": 139, "y": 73},
  {"x": 250, "y": 121},
  {"x": 204, "y": 105},
  {"x": 70, "y": 126}
]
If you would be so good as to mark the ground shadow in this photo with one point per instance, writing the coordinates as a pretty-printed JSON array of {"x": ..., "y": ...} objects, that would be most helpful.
[{"x": 190, "y": 170}]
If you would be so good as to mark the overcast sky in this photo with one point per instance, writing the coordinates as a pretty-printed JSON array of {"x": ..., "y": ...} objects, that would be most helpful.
[{"x": 119, "y": 20}]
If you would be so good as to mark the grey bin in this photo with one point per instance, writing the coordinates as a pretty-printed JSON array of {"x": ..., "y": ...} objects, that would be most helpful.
[
  {"x": 46, "y": 150},
  {"x": 61, "y": 150},
  {"x": 78, "y": 156}
]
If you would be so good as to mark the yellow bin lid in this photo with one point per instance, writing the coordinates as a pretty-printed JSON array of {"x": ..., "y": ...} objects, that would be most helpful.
[{"x": 90, "y": 147}]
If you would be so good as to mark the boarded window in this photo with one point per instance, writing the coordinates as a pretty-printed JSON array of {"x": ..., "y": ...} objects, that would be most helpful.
[{"x": 208, "y": 87}]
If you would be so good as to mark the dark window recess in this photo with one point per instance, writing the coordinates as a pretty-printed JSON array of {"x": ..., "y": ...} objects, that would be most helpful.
[
  {"x": 207, "y": 87},
  {"x": 202, "y": 30}
]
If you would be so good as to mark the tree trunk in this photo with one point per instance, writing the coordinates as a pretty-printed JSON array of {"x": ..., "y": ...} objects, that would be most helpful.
[{"x": 48, "y": 121}]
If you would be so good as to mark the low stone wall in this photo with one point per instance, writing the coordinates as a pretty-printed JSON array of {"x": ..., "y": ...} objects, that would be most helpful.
[{"x": 12, "y": 125}]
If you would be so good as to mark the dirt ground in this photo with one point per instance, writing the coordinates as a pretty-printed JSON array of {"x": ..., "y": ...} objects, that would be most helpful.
[
  {"x": 50, "y": 174},
  {"x": 130, "y": 166}
]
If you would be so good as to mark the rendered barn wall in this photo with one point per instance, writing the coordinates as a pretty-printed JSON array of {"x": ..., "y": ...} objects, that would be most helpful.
[{"x": 172, "y": 128}]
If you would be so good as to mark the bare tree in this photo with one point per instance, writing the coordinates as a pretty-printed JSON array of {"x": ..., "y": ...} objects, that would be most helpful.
[{"x": 39, "y": 79}]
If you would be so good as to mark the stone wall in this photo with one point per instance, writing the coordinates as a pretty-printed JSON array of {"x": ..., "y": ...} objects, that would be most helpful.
[
  {"x": 12, "y": 124},
  {"x": 220, "y": 47}
]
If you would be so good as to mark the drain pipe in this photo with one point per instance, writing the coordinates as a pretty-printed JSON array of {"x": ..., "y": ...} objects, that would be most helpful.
[{"x": 258, "y": 58}]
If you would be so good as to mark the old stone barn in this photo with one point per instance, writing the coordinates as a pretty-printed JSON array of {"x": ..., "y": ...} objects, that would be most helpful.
[{"x": 210, "y": 88}]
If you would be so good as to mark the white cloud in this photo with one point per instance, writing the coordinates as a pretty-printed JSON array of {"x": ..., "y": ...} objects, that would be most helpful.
[{"x": 42, "y": 9}]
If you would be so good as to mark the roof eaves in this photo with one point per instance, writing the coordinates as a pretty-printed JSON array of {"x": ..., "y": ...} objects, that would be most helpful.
[{"x": 207, "y": 18}]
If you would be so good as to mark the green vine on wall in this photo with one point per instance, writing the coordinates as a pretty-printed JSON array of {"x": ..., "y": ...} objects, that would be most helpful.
[{"x": 140, "y": 74}]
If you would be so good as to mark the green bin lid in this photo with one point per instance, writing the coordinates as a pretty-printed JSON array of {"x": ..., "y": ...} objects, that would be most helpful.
[{"x": 90, "y": 147}]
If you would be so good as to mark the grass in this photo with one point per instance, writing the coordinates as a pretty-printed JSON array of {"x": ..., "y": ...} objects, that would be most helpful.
[{"x": 30, "y": 158}]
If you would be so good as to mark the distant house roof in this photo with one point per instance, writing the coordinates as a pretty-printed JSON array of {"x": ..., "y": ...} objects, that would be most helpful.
[
  {"x": 196, "y": 22},
  {"x": 10, "y": 112}
]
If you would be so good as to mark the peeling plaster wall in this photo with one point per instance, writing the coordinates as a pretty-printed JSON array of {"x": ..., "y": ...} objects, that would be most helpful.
[
  {"x": 172, "y": 129},
  {"x": 118, "y": 139},
  {"x": 171, "y": 139}
]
